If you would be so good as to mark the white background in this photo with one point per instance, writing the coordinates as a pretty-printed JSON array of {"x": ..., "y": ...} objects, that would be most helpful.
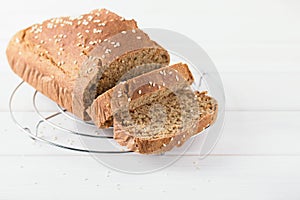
[{"x": 255, "y": 46}]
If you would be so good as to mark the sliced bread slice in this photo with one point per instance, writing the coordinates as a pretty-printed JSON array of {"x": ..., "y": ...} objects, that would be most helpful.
[
  {"x": 164, "y": 121},
  {"x": 148, "y": 85}
]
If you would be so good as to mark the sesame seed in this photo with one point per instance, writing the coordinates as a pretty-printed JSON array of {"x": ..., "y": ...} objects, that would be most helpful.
[
  {"x": 97, "y": 30},
  {"x": 150, "y": 83},
  {"x": 134, "y": 31},
  {"x": 161, "y": 72},
  {"x": 153, "y": 84},
  {"x": 62, "y": 62},
  {"x": 164, "y": 145},
  {"x": 129, "y": 99},
  {"x": 123, "y": 32},
  {"x": 92, "y": 42},
  {"x": 87, "y": 31},
  {"x": 159, "y": 86},
  {"x": 163, "y": 84},
  {"x": 138, "y": 37},
  {"x": 177, "y": 79},
  {"x": 59, "y": 53},
  {"x": 17, "y": 40},
  {"x": 49, "y": 25},
  {"x": 170, "y": 72},
  {"x": 119, "y": 95},
  {"x": 183, "y": 136},
  {"x": 46, "y": 52},
  {"x": 57, "y": 40},
  {"x": 172, "y": 139},
  {"x": 102, "y": 24},
  {"x": 107, "y": 12},
  {"x": 103, "y": 56},
  {"x": 178, "y": 142},
  {"x": 61, "y": 49},
  {"x": 105, "y": 40},
  {"x": 99, "y": 41},
  {"x": 117, "y": 44},
  {"x": 85, "y": 22},
  {"x": 140, "y": 91},
  {"x": 81, "y": 54},
  {"x": 112, "y": 43},
  {"x": 36, "y": 37},
  {"x": 20, "y": 53},
  {"x": 78, "y": 44},
  {"x": 89, "y": 70},
  {"x": 75, "y": 62},
  {"x": 78, "y": 34},
  {"x": 97, "y": 21},
  {"x": 68, "y": 23},
  {"x": 90, "y": 17},
  {"x": 107, "y": 51}
]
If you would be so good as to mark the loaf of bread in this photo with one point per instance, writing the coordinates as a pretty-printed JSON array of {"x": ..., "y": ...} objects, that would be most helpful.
[
  {"x": 101, "y": 109},
  {"x": 74, "y": 60},
  {"x": 102, "y": 67},
  {"x": 164, "y": 121}
]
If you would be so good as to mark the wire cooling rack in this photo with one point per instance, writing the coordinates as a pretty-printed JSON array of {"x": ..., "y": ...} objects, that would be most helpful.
[{"x": 58, "y": 124}]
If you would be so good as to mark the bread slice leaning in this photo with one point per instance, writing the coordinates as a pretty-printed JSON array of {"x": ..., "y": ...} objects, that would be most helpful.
[
  {"x": 165, "y": 121},
  {"x": 151, "y": 84},
  {"x": 73, "y": 60}
]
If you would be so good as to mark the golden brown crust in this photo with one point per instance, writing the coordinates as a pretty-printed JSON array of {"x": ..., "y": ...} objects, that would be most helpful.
[
  {"x": 160, "y": 145},
  {"x": 50, "y": 55},
  {"x": 101, "y": 109},
  {"x": 39, "y": 72}
]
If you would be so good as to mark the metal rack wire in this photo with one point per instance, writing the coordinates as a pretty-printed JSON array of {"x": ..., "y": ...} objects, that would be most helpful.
[
  {"x": 34, "y": 131},
  {"x": 34, "y": 134}
]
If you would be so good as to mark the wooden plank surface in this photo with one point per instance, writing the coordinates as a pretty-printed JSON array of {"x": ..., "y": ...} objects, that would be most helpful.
[
  {"x": 217, "y": 177},
  {"x": 258, "y": 133}
]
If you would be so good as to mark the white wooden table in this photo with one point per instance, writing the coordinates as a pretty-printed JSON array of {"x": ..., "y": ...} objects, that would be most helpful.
[{"x": 255, "y": 46}]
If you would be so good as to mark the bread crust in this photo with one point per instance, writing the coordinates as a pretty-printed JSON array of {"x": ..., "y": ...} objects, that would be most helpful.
[
  {"x": 35, "y": 58},
  {"x": 51, "y": 56},
  {"x": 101, "y": 110}
]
